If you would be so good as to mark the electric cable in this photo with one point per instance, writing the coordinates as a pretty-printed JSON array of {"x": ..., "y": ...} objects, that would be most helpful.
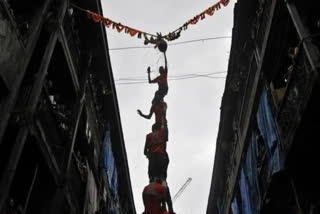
[
  {"x": 173, "y": 76},
  {"x": 144, "y": 82},
  {"x": 176, "y": 43}
]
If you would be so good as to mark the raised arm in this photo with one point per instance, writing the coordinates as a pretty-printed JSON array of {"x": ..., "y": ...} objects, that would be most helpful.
[{"x": 165, "y": 62}]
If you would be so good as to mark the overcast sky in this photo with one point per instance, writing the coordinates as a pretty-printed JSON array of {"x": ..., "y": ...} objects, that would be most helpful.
[{"x": 193, "y": 104}]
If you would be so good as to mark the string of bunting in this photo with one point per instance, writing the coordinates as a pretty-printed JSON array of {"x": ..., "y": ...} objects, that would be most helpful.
[{"x": 135, "y": 32}]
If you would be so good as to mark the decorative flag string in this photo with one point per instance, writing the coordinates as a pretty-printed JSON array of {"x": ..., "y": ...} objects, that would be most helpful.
[
  {"x": 209, "y": 11},
  {"x": 152, "y": 37}
]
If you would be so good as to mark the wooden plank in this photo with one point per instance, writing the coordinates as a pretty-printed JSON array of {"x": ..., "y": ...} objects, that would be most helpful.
[
  {"x": 47, "y": 153},
  {"x": 11, "y": 168},
  {"x": 75, "y": 132},
  {"x": 30, "y": 189},
  {"x": 42, "y": 73},
  {"x": 69, "y": 58}
]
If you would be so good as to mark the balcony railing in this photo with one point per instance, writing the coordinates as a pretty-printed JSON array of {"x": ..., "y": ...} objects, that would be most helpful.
[
  {"x": 297, "y": 92},
  {"x": 72, "y": 36}
]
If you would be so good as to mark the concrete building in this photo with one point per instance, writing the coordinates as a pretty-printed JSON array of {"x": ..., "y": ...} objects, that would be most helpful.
[
  {"x": 267, "y": 151},
  {"x": 61, "y": 141}
]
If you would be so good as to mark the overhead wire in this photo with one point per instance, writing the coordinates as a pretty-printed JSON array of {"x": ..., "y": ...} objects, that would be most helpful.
[
  {"x": 175, "y": 76},
  {"x": 196, "y": 76},
  {"x": 145, "y": 82},
  {"x": 183, "y": 77},
  {"x": 172, "y": 44}
]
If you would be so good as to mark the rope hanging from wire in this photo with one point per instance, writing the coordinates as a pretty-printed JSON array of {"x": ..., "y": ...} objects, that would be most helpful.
[{"x": 152, "y": 38}]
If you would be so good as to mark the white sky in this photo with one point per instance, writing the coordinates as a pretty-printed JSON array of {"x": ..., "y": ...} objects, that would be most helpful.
[{"x": 193, "y": 104}]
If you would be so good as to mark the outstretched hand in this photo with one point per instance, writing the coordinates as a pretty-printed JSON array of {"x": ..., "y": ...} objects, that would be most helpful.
[
  {"x": 148, "y": 70},
  {"x": 139, "y": 112}
]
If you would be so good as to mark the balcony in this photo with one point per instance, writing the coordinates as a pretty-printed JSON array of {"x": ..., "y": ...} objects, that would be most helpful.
[{"x": 299, "y": 87}]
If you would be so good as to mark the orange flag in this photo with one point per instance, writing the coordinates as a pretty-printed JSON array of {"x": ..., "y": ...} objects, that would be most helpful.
[
  {"x": 119, "y": 27},
  {"x": 210, "y": 11},
  {"x": 194, "y": 20},
  {"x": 225, "y": 2},
  {"x": 107, "y": 22},
  {"x": 132, "y": 31},
  {"x": 96, "y": 17}
]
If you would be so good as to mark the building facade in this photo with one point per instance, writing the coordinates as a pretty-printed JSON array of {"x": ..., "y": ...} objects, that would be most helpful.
[
  {"x": 267, "y": 147},
  {"x": 61, "y": 141}
]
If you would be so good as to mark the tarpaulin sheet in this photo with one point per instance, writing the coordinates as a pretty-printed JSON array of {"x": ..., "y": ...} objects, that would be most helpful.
[
  {"x": 250, "y": 170},
  {"x": 234, "y": 206},
  {"x": 114, "y": 207},
  {"x": 109, "y": 165},
  {"x": 244, "y": 191},
  {"x": 113, "y": 211},
  {"x": 114, "y": 179},
  {"x": 269, "y": 131}
]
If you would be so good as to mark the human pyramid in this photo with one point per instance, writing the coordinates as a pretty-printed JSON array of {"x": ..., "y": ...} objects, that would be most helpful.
[{"x": 156, "y": 195}]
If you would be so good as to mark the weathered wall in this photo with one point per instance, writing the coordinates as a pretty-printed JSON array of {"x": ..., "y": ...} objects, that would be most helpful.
[{"x": 11, "y": 50}]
